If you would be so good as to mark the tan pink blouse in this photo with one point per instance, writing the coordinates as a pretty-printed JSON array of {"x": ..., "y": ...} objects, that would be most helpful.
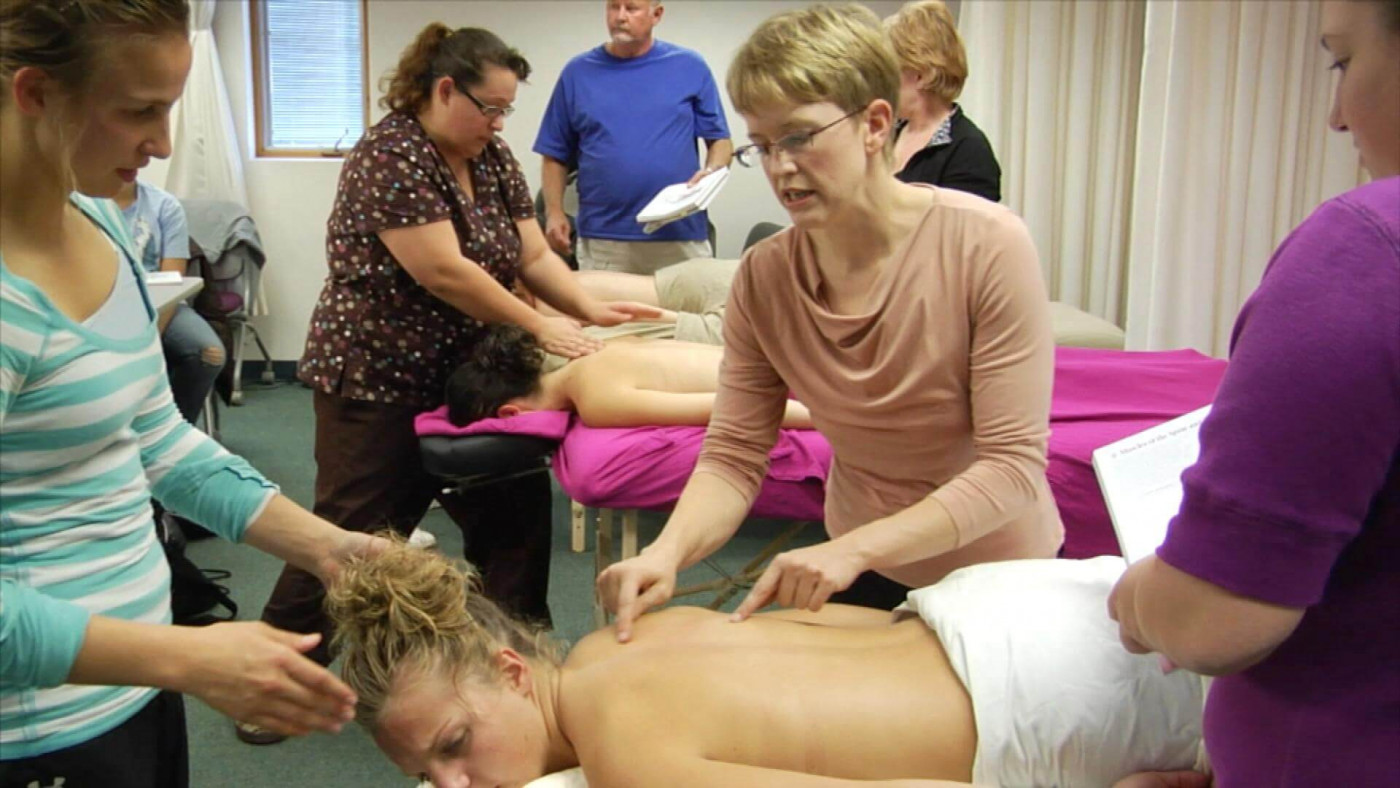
[{"x": 941, "y": 389}]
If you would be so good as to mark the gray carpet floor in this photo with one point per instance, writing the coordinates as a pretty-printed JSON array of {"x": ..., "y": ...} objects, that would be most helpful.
[{"x": 273, "y": 430}]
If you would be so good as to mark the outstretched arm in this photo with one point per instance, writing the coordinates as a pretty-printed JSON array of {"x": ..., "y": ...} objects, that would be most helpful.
[{"x": 634, "y": 407}]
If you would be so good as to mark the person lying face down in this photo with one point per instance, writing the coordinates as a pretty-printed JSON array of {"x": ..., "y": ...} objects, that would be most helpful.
[
  {"x": 691, "y": 296},
  {"x": 626, "y": 384},
  {"x": 1006, "y": 674}
]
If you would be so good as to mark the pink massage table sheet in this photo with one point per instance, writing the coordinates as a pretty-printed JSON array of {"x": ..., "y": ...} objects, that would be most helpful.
[{"x": 1099, "y": 397}]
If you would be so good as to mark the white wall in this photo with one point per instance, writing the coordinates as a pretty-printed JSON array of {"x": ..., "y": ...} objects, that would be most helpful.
[{"x": 291, "y": 198}]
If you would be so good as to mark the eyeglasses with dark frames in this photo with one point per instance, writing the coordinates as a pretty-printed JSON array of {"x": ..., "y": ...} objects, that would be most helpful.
[
  {"x": 791, "y": 144},
  {"x": 488, "y": 110}
]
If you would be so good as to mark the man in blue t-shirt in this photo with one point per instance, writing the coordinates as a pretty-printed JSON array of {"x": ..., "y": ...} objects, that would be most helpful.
[{"x": 626, "y": 115}]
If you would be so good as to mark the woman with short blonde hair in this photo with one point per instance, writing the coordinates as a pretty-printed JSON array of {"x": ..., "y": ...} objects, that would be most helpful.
[
  {"x": 912, "y": 322},
  {"x": 936, "y": 142}
]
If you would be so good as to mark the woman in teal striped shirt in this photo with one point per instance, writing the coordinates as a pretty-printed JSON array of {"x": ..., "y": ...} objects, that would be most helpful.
[{"x": 90, "y": 667}]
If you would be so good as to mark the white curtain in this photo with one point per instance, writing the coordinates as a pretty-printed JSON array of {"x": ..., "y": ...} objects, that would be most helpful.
[
  {"x": 1159, "y": 150},
  {"x": 1233, "y": 152},
  {"x": 1053, "y": 83},
  {"x": 205, "y": 162}
]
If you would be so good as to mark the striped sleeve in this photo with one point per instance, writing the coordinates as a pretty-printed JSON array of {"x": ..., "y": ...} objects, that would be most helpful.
[
  {"x": 39, "y": 637},
  {"x": 192, "y": 475},
  {"x": 23, "y": 330}
]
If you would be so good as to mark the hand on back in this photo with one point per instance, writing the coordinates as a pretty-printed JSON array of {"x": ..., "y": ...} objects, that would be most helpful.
[{"x": 630, "y": 588}]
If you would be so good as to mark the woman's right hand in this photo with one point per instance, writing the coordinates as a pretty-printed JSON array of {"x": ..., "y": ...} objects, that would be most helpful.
[
  {"x": 563, "y": 336},
  {"x": 257, "y": 674},
  {"x": 632, "y": 587},
  {"x": 557, "y": 232}
]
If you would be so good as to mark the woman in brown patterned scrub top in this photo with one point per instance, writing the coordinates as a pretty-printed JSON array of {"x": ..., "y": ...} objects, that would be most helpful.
[{"x": 432, "y": 225}]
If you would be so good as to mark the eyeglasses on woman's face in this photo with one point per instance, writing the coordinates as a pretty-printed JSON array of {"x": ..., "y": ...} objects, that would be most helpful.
[
  {"x": 753, "y": 155},
  {"x": 490, "y": 111}
]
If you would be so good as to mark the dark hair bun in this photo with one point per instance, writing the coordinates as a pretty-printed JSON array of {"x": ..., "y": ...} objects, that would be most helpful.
[{"x": 509, "y": 351}]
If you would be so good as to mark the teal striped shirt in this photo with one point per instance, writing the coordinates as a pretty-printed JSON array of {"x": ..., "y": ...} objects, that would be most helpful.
[{"x": 88, "y": 433}]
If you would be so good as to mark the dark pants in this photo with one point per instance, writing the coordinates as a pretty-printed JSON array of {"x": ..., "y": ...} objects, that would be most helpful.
[
  {"x": 147, "y": 751},
  {"x": 191, "y": 377},
  {"x": 369, "y": 477},
  {"x": 872, "y": 589}
]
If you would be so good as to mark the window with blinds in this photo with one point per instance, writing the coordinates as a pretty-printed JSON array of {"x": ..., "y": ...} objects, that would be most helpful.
[{"x": 309, "y": 76}]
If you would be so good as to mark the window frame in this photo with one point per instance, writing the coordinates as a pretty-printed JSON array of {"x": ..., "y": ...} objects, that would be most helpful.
[{"x": 262, "y": 112}]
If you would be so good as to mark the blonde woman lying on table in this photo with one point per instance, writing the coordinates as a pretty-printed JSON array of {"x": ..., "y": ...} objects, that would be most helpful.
[
  {"x": 628, "y": 384},
  {"x": 1004, "y": 674}
]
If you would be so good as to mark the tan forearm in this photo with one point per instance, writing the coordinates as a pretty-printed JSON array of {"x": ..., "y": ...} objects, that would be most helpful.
[
  {"x": 915, "y": 533},
  {"x": 294, "y": 535},
  {"x": 1201, "y": 626},
  {"x": 551, "y": 280},
  {"x": 472, "y": 291},
  {"x": 718, "y": 153},
  {"x": 708, "y": 513},
  {"x": 553, "y": 177},
  {"x": 128, "y": 653}
]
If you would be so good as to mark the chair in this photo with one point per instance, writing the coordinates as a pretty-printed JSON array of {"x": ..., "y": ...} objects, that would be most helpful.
[
  {"x": 759, "y": 232},
  {"x": 231, "y": 264}
]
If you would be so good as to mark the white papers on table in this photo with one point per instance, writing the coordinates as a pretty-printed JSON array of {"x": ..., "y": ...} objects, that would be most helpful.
[{"x": 163, "y": 277}]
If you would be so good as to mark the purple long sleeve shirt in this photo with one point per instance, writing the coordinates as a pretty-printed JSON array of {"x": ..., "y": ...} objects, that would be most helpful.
[{"x": 1296, "y": 501}]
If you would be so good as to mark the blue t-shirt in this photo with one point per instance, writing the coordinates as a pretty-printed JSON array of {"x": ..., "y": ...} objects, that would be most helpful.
[
  {"x": 158, "y": 227},
  {"x": 629, "y": 125}
]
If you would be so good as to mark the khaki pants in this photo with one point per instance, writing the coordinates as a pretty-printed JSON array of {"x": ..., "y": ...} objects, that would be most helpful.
[{"x": 636, "y": 257}]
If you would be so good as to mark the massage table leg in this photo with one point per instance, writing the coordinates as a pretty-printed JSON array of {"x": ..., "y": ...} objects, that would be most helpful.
[
  {"x": 578, "y": 531},
  {"x": 629, "y": 533},
  {"x": 602, "y": 558}
]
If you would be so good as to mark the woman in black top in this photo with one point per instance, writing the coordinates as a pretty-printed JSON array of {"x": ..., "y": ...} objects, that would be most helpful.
[{"x": 935, "y": 142}]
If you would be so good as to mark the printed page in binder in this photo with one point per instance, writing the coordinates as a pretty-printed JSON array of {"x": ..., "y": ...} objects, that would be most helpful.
[{"x": 1140, "y": 476}]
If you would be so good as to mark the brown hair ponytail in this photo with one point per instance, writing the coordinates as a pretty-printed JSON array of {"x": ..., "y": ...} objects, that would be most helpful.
[{"x": 439, "y": 51}]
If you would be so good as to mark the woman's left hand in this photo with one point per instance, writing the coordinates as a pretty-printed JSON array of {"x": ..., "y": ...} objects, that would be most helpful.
[
  {"x": 611, "y": 313},
  {"x": 803, "y": 578}
]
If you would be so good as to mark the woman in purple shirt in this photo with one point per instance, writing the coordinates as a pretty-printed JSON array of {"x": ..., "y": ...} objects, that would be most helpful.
[{"x": 1281, "y": 573}]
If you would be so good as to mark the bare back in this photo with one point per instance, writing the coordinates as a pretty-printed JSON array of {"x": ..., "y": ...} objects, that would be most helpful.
[
  {"x": 863, "y": 700},
  {"x": 657, "y": 365}
]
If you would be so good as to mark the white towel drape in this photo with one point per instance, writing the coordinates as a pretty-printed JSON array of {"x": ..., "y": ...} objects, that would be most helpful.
[
  {"x": 1053, "y": 83},
  {"x": 1233, "y": 152},
  {"x": 1158, "y": 150},
  {"x": 205, "y": 162}
]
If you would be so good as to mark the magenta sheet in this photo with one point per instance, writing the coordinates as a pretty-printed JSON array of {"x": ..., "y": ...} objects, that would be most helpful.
[
  {"x": 1100, "y": 396},
  {"x": 647, "y": 469}
]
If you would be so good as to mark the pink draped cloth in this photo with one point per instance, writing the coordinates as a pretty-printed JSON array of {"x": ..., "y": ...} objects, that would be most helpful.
[{"x": 1101, "y": 396}]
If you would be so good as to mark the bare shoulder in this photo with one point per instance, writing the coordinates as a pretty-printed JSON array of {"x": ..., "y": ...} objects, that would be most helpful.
[{"x": 652, "y": 630}]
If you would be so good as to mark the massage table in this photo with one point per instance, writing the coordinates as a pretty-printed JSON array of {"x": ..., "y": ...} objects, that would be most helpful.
[
  {"x": 1100, "y": 396},
  {"x": 610, "y": 475}
]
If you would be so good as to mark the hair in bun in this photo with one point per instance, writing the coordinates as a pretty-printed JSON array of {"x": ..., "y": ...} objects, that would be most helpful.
[
  {"x": 505, "y": 364},
  {"x": 406, "y": 609}
]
